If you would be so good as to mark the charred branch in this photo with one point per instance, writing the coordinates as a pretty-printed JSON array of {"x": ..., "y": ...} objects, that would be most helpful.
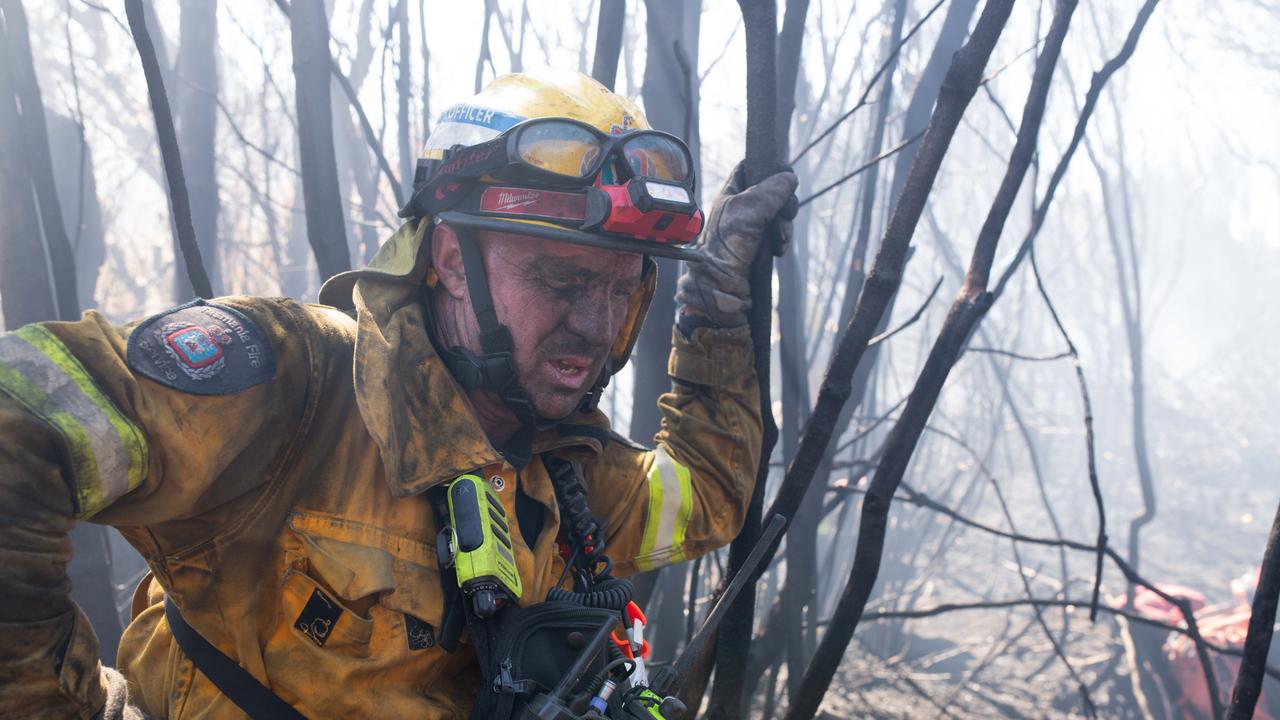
[
  {"x": 613, "y": 18},
  {"x": 760, "y": 20},
  {"x": 170, "y": 155},
  {"x": 312, "y": 66},
  {"x": 1262, "y": 622},
  {"x": 22, "y": 82}
]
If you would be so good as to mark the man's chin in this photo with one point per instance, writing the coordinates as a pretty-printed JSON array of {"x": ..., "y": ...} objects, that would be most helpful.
[{"x": 556, "y": 406}]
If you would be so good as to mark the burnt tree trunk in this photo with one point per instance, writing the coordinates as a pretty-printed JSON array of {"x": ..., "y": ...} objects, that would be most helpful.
[
  {"x": 733, "y": 642},
  {"x": 880, "y": 286},
  {"x": 426, "y": 70},
  {"x": 170, "y": 155},
  {"x": 486, "y": 56},
  {"x": 955, "y": 26},
  {"x": 326, "y": 226},
  {"x": 671, "y": 29},
  {"x": 197, "y": 92},
  {"x": 26, "y": 287},
  {"x": 81, "y": 211},
  {"x": 297, "y": 281},
  {"x": 1262, "y": 622},
  {"x": 355, "y": 167},
  {"x": 30, "y": 120},
  {"x": 1120, "y": 228},
  {"x": 797, "y": 593},
  {"x": 1145, "y": 647},
  {"x": 613, "y": 18},
  {"x": 919, "y": 109},
  {"x": 404, "y": 93}
]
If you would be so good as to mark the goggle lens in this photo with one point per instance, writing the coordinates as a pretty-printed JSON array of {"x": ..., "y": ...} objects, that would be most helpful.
[
  {"x": 573, "y": 151},
  {"x": 562, "y": 148},
  {"x": 656, "y": 156}
]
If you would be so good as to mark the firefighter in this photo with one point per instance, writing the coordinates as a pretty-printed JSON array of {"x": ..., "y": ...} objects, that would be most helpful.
[{"x": 272, "y": 460}]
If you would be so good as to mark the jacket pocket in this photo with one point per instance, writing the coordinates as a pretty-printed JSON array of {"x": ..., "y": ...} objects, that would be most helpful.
[
  {"x": 386, "y": 580},
  {"x": 360, "y": 607},
  {"x": 316, "y": 614}
]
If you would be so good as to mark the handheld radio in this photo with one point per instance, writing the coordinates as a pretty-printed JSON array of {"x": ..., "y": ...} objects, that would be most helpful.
[{"x": 479, "y": 546}]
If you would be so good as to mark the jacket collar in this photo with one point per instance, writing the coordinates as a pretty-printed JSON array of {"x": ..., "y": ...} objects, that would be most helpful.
[{"x": 422, "y": 420}]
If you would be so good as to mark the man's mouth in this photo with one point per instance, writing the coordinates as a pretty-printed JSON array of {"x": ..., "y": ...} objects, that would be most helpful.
[{"x": 570, "y": 372}]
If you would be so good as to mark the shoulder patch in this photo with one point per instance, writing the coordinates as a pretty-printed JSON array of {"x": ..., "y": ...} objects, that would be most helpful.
[{"x": 202, "y": 348}]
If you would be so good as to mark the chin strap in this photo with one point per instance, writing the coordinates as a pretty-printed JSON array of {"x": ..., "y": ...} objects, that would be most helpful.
[{"x": 496, "y": 369}]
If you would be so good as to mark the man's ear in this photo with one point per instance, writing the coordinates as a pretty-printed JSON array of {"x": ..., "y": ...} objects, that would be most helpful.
[{"x": 446, "y": 259}]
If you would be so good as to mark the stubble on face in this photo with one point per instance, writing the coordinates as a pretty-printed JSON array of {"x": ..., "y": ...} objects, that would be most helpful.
[{"x": 564, "y": 305}]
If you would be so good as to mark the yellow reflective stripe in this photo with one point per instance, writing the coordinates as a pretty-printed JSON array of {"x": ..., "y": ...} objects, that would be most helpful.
[
  {"x": 107, "y": 451},
  {"x": 670, "y": 505},
  {"x": 130, "y": 435},
  {"x": 79, "y": 452},
  {"x": 120, "y": 471}
]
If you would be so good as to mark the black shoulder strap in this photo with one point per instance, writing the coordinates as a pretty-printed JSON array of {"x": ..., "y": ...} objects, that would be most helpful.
[
  {"x": 234, "y": 681},
  {"x": 454, "y": 617},
  {"x": 486, "y": 634}
]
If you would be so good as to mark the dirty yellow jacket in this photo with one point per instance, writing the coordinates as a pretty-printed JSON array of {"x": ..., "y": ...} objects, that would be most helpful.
[{"x": 269, "y": 460}]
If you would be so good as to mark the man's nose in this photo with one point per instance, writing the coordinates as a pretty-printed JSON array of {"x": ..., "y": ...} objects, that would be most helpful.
[{"x": 592, "y": 319}]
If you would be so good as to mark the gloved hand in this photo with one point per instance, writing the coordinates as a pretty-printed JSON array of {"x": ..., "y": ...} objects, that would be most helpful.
[
  {"x": 717, "y": 288},
  {"x": 118, "y": 706}
]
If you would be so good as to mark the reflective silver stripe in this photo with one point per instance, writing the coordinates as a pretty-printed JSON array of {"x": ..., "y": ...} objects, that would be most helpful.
[
  {"x": 100, "y": 457},
  {"x": 670, "y": 511}
]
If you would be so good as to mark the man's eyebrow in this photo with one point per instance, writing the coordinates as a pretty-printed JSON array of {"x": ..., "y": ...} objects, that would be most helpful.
[{"x": 544, "y": 265}]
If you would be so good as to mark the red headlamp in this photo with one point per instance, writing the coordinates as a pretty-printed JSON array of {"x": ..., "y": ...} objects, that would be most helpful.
[{"x": 644, "y": 208}]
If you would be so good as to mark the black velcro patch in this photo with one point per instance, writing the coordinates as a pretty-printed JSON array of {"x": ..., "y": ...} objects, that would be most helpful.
[
  {"x": 202, "y": 348},
  {"x": 420, "y": 634},
  {"x": 318, "y": 617}
]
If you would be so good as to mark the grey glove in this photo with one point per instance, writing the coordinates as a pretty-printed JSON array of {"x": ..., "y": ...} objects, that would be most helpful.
[
  {"x": 118, "y": 706},
  {"x": 717, "y": 288}
]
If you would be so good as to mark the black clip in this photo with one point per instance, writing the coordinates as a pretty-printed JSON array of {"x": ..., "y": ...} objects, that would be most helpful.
[
  {"x": 506, "y": 683},
  {"x": 444, "y": 547}
]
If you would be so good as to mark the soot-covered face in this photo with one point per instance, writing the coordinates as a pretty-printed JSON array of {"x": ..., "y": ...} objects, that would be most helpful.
[{"x": 564, "y": 304}]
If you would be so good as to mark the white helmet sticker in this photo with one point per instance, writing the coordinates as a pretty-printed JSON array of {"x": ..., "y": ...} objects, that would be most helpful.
[
  {"x": 467, "y": 125},
  {"x": 476, "y": 115}
]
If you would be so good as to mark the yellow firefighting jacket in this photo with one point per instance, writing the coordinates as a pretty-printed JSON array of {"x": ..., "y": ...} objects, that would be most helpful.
[{"x": 269, "y": 460}]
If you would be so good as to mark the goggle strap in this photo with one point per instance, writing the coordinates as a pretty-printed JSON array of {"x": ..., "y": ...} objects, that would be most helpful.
[{"x": 473, "y": 161}]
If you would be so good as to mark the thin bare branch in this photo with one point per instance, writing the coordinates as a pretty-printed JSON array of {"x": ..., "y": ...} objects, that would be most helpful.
[
  {"x": 863, "y": 168},
  {"x": 911, "y": 320},
  {"x": 1019, "y": 356},
  {"x": 862, "y": 101}
]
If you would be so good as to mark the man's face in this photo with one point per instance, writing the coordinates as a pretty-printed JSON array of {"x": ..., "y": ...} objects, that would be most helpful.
[{"x": 564, "y": 304}]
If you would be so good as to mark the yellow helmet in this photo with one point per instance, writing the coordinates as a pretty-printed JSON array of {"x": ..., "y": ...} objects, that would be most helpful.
[{"x": 557, "y": 155}]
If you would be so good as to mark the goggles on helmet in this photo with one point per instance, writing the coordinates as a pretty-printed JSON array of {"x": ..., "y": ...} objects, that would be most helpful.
[
  {"x": 638, "y": 184},
  {"x": 561, "y": 151}
]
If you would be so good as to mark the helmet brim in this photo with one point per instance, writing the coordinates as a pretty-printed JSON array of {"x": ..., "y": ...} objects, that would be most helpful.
[{"x": 569, "y": 235}]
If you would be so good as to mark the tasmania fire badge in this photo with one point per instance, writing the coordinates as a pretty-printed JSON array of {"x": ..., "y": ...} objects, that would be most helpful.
[{"x": 202, "y": 348}]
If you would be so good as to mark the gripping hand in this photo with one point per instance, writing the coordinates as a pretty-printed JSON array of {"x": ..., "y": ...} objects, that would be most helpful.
[{"x": 716, "y": 291}]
